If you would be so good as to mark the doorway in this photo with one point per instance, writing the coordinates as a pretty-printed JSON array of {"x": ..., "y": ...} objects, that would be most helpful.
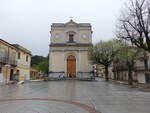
[
  {"x": 71, "y": 66},
  {"x": 11, "y": 74}
]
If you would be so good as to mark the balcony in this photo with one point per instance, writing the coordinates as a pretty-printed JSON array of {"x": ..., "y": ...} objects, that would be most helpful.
[{"x": 6, "y": 60}]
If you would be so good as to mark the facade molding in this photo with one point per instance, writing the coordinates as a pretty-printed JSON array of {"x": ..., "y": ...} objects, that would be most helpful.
[
  {"x": 70, "y": 45},
  {"x": 67, "y": 49}
]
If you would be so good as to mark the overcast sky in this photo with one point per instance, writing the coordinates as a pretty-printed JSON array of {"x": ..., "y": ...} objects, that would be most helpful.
[{"x": 27, "y": 22}]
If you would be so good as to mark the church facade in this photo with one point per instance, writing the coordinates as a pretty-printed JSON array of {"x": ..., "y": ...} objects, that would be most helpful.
[{"x": 68, "y": 53}]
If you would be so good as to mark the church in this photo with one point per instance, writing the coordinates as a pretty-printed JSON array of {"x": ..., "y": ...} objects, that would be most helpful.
[{"x": 68, "y": 53}]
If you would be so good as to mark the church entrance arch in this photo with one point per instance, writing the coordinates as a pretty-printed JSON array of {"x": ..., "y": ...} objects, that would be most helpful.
[{"x": 71, "y": 66}]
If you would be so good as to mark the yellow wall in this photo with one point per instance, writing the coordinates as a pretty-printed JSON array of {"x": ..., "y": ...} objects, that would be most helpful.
[
  {"x": 22, "y": 65},
  {"x": 22, "y": 61},
  {"x": 6, "y": 72},
  {"x": 85, "y": 61},
  {"x": 58, "y": 61},
  {"x": 56, "y": 56},
  {"x": 7, "y": 51}
]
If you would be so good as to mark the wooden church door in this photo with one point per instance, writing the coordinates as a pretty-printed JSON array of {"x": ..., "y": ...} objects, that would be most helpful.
[{"x": 71, "y": 66}]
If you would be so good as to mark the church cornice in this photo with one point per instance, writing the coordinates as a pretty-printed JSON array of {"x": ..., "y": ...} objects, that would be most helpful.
[
  {"x": 71, "y": 23},
  {"x": 68, "y": 49},
  {"x": 70, "y": 45}
]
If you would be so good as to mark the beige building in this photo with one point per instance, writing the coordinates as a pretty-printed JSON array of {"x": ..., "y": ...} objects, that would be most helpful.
[
  {"x": 34, "y": 74},
  {"x": 119, "y": 71},
  {"x": 69, "y": 50},
  {"x": 23, "y": 62},
  {"x": 14, "y": 62},
  {"x": 8, "y": 61}
]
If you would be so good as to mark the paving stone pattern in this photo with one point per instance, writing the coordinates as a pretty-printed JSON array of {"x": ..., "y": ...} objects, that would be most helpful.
[{"x": 73, "y": 97}]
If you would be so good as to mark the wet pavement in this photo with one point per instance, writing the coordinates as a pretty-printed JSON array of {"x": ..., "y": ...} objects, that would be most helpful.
[{"x": 73, "y": 97}]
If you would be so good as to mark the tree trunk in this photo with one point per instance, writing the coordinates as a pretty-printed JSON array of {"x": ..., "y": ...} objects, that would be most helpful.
[
  {"x": 146, "y": 70},
  {"x": 146, "y": 64},
  {"x": 130, "y": 65},
  {"x": 106, "y": 73},
  {"x": 115, "y": 72},
  {"x": 115, "y": 75},
  {"x": 118, "y": 75},
  {"x": 130, "y": 79}
]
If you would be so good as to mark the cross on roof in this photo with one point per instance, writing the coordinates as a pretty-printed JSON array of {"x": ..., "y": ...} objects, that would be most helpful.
[{"x": 71, "y": 17}]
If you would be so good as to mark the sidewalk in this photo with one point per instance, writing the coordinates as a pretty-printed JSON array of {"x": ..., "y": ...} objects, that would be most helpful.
[{"x": 135, "y": 84}]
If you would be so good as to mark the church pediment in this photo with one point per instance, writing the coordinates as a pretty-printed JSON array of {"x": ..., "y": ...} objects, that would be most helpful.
[
  {"x": 71, "y": 32},
  {"x": 71, "y": 23}
]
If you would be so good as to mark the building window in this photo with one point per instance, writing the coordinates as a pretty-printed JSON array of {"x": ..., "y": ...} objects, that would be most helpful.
[
  {"x": 17, "y": 72},
  {"x": 71, "y": 36},
  {"x": 27, "y": 58},
  {"x": 19, "y": 55},
  {"x": 0, "y": 70}
]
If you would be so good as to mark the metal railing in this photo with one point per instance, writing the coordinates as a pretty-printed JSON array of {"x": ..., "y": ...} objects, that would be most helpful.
[{"x": 8, "y": 60}]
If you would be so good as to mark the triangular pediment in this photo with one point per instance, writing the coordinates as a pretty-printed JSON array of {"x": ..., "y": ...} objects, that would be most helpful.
[{"x": 71, "y": 23}]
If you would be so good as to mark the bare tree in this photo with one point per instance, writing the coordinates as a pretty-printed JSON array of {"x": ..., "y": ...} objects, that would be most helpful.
[
  {"x": 134, "y": 24},
  {"x": 128, "y": 56}
]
